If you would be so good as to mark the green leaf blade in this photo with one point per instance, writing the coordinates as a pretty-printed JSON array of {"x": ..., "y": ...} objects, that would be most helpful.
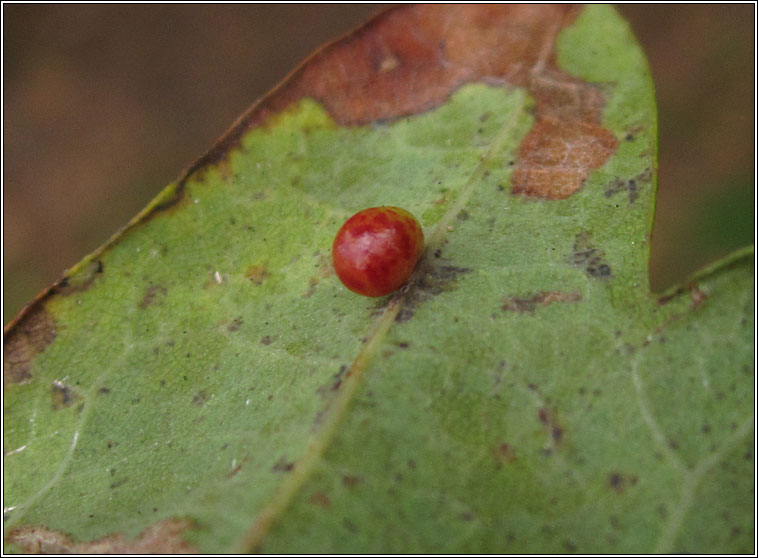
[{"x": 525, "y": 393}]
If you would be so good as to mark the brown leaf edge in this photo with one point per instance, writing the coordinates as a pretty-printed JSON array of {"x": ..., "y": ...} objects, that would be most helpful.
[{"x": 164, "y": 537}]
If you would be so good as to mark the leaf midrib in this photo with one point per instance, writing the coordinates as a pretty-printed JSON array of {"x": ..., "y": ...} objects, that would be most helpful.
[{"x": 253, "y": 538}]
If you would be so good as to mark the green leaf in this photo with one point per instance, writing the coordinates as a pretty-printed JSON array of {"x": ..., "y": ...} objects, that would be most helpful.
[{"x": 204, "y": 382}]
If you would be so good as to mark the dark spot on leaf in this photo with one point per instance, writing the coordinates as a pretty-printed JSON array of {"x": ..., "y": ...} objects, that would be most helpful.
[
  {"x": 528, "y": 303},
  {"x": 591, "y": 258},
  {"x": 335, "y": 384},
  {"x": 547, "y": 418},
  {"x": 320, "y": 499},
  {"x": 118, "y": 483},
  {"x": 200, "y": 398},
  {"x": 463, "y": 215},
  {"x": 312, "y": 284},
  {"x": 283, "y": 466},
  {"x": 257, "y": 274},
  {"x": 620, "y": 482},
  {"x": 266, "y": 340},
  {"x": 236, "y": 324},
  {"x": 171, "y": 199},
  {"x": 29, "y": 335},
  {"x": 82, "y": 281},
  {"x": 432, "y": 280},
  {"x": 153, "y": 295},
  {"x": 63, "y": 395},
  {"x": 237, "y": 468},
  {"x": 104, "y": 391},
  {"x": 350, "y": 526},
  {"x": 111, "y": 444},
  {"x": 467, "y": 516},
  {"x": 351, "y": 481},
  {"x": 630, "y": 186},
  {"x": 504, "y": 454}
]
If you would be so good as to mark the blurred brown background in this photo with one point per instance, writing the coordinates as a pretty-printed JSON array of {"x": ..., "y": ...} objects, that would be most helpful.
[{"x": 105, "y": 104}]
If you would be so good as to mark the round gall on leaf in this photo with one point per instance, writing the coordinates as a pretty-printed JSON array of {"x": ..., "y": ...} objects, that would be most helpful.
[{"x": 376, "y": 250}]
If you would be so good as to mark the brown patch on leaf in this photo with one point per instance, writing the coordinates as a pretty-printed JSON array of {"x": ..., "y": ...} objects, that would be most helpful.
[
  {"x": 164, "y": 537},
  {"x": 567, "y": 140},
  {"x": 153, "y": 295},
  {"x": 257, "y": 273},
  {"x": 411, "y": 58},
  {"x": 63, "y": 395},
  {"x": 592, "y": 259},
  {"x": 30, "y": 335},
  {"x": 619, "y": 482},
  {"x": 530, "y": 303}
]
